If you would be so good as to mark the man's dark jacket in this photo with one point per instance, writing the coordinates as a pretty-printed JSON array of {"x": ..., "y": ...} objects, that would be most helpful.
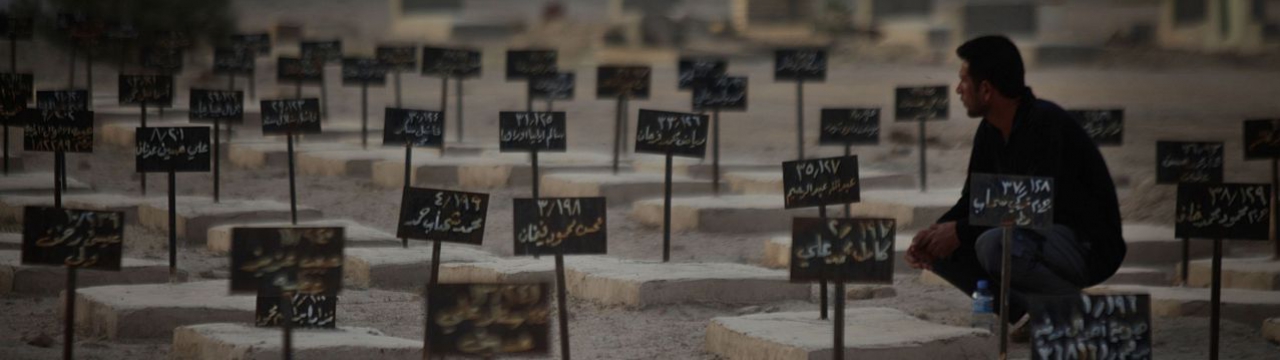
[{"x": 1046, "y": 141}]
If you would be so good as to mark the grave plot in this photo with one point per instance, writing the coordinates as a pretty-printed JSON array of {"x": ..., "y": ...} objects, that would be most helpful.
[
  {"x": 640, "y": 284},
  {"x": 47, "y": 280},
  {"x": 242, "y": 341},
  {"x": 1131, "y": 275},
  {"x": 501, "y": 270},
  {"x": 10, "y": 241},
  {"x": 34, "y": 183},
  {"x": 122, "y": 134},
  {"x": 356, "y": 235},
  {"x": 770, "y": 182},
  {"x": 1244, "y": 306},
  {"x": 11, "y": 206},
  {"x": 1257, "y": 273},
  {"x": 195, "y": 215},
  {"x": 620, "y": 189},
  {"x": 911, "y": 208},
  {"x": 342, "y": 131},
  {"x": 870, "y": 333},
  {"x": 724, "y": 214},
  {"x": 777, "y": 250},
  {"x": 404, "y": 268},
  {"x": 695, "y": 168},
  {"x": 154, "y": 311},
  {"x": 353, "y": 162},
  {"x": 482, "y": 173},
  {"x": 259, "y": 154},
  {"x": 1271, "y": 330}
]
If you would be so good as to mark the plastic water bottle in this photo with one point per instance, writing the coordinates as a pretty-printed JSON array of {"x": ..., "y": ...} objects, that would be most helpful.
[{"x": 984, "y": 313}]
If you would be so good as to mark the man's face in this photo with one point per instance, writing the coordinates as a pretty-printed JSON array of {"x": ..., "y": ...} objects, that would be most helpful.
[{"x": 971, "y": 94}]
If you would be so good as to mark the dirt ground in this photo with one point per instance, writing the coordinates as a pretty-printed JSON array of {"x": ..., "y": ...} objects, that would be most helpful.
[{"x": 1203, "y": 101}]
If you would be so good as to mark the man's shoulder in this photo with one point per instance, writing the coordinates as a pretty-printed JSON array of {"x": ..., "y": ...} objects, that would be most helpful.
[{"x": 1046, "y": 107}]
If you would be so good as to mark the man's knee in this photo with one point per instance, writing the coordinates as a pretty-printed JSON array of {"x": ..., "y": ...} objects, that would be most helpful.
[{"x": 988, "y": 248}]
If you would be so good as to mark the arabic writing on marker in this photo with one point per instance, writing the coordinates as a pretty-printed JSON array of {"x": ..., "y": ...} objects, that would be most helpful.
[
  {"x": 857, "y": 250},
  {"x": 805, "y": 61},
  {"x": 311, "y": 311},
  {"x": 74, "y": 238},
  {"x": 1228, "y": 207},
  {"x": 276, "y": 260},
  {"x": 216, "y": 104},
  {"x": 1092, "y": 327},
  {"x": 489, "y": 318}
]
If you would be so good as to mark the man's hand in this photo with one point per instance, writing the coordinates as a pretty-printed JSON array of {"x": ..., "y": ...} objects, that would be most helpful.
[
  {"x": 916, "y": 255},
  {"x": 944, "y": 240}
]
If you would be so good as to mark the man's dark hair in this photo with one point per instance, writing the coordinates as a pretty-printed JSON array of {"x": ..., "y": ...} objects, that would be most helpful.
[{"x": 995, "y": 59}]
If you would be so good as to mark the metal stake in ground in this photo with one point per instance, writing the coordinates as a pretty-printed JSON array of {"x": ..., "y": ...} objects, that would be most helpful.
[
  {"x": 924, "y": 173},
  {"x": 396, "y": 76},
  {"x": 800, "y": 118},
  {"x": 69, "y": 315},
  {"x": 58, "y": 158},
  {"x": 431, "y": 287},
  {"x": 173, "y": 228},
  {"x": 293, "y": 189},
  {"x": 1275, "y": 219},
  {"x": 839, "y": 323},
  {"x": 408, "y": 167},
  {"x": 458, "y": 106},
  {"x": 1215, "y": 299},
  {"x": 666, "y": 211},
  {"x": 88, "y": 73},
  {"x": 142, "y": 176},
  {"x": 822, "y": 281},
  {"x": 715, "y": 151},
  {"x": 1006, "y": 244},
  {"x": 561, "y": 302},
  {"x": 444, "y": 103},
  {"x": 286, "y": 321},
  {"x": 364, "y": 114}
]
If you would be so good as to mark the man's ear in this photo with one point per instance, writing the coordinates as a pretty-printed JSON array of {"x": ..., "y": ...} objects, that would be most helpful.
[{"x": 986, "y": 91}]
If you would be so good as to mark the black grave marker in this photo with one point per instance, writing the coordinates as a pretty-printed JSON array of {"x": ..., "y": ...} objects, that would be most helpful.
[
  {"x": 528, "y": 131},
  {"x": 178, "y": 149},
  {"x": 1113, "y": 326},
  {"x": 1188, "y": 162},
  {"x": 329, "y": 52},
  {"x": 459, "y": 63},
  {"x": 259, "y": 44},
  {"x": 854, "y": 126},
  {"x": 146, "y": 89},
  {"x": 63, "y": 100},
  {"x": 570, "y": 226},
  {"x": 309, "y": 311},
  {"x": 1262, "y": 139},
  {"x": 418, "y": 128},
  {"x": 229, "y": 61},
  {"x": 363, "y": 71},
  {"x": 851, "y": 250},
  {"x": 163, "y": 59},
  {"x": 800, "y": 64},
  {"x": 1026, "y": 200},
  {"x": 489, "y": 319},
  {"x": 1228, "y": 211},
  {"x": 820, "y": 182},
  {"x": 397, "y": 58},
  {"x": 296, "y": 70},
  {"x": 662, "y": 132},
  {"x": 283, "y": 117},
  {"x": 311, "y": 255},
  {"x": 632, "y": 82},
  {"x": 721, "y": 94},
  {"x": 208, "y": 105},
  {"x": 523, "y": 64},
  {"x": 442, "y": 215},
  {"x": 73, "y": 238},
  {"x": 16, "y": 91},
  {"x": 693, "y": 72},
  {"x": 558, "y": 86},
  {"x": 921, "y": 103},
  {"x": 55, "y": 131},
  {"x": 1105, "y": 127}
]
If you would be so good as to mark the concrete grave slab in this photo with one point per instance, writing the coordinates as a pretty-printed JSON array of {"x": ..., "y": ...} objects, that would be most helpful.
[
  {"x": 1141, "y": 276},
  {"x": 770, "y": 182},
  {"x": 153, "y": 311},
  {"x": 501, "y": 270},
  {"x": 777, "y": 250},
  {"x": 11, "y": 207},
  {"x": 49, "y": 280},
  {"x": 696, "y": 168},
  {"x": 10, "y": 241},
  {"x": 38, "y": 183},
  {"x": 121, "y": 134},
  {"x": 1271, "y": 330},
  {"x": 640, "y": 284},
  {"x": 357, "y": 162},
  {"x": 195, "y": 215},
  {"x": 482, "y": 173},
  {"x": 1258, "y": 273},
  {"x": 723, "y": 214},
  {"x": 228, "y": 341},
  {"x": 911, "y": 208},
  {"x": 274, "y": 153},
  {"x": 357, "y": 235},
  {"x": 1156, "y": 245},
  {"x": 401, "y": 268},
  {"x": 1247, "y": 307},
  {"x": 619, "y": 189},
  {"x": 343, "y": 130},
  {"x": 870, "y": 333}
]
